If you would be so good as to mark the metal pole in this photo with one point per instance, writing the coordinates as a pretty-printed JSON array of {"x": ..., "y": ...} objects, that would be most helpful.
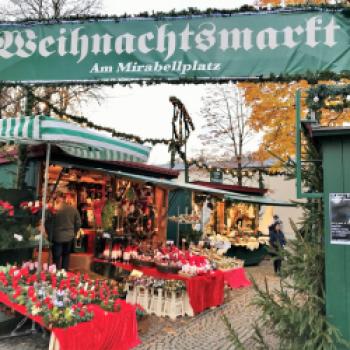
[
  {"x": 298, "y": 143},
  {"x": 178, "y": 228},
  {"x": 43, "y": 211},
  {"x": 187, "y": 175}
]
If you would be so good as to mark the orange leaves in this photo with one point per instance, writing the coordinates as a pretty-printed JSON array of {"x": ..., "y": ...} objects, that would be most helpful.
[
  {"x": 273, "y": 114},
  {"x": 276, "y": 3}
]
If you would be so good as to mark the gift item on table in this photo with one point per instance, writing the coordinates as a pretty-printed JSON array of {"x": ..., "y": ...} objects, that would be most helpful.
[
  {"x": 106, "y": 251},
  {"x": 97, "y": 205},
  {"x": 129, "y": 253},
  {"x": 116, "y": 252}
]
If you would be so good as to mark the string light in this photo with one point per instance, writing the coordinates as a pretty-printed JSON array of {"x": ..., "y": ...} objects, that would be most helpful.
[
  {"x": 233, "y": 171},
  {"x": 332, "y": 97}
]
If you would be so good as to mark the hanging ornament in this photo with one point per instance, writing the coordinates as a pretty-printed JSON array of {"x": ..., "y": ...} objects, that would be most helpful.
[{"x": 316, "y": 99}]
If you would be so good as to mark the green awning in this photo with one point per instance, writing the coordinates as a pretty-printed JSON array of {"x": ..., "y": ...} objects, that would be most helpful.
[
  {"x": 71, "y": 138},
  {"x": 234, "y": 197},
  {"x": 259, "y": 200}
]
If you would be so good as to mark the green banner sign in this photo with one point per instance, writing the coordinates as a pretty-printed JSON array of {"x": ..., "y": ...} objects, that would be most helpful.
[{"x": 196, "y": 48}]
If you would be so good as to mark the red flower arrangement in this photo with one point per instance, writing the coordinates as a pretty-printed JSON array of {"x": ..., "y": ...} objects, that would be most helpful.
[
  {"x": 6, "y": 208},
  {"x": 36, "y": 207},
  {"x": 62, "y": 299}
]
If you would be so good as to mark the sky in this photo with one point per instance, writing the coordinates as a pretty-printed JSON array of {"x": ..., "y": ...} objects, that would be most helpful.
[{"x": 146, "y": 111}]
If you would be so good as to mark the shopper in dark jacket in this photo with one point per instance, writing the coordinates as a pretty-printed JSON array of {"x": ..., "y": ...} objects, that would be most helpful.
[
  {"x": 277, "y": 242},
  {"x": 62, "y": 227}
]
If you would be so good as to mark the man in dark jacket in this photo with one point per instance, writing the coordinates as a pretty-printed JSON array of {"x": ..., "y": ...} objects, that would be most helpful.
[
  {"x": 277, "y": 242},
  {"x": 62, "y": 227}
]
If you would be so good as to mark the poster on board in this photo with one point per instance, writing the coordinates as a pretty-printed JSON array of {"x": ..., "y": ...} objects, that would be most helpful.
[{"x": 339, "y": 211}]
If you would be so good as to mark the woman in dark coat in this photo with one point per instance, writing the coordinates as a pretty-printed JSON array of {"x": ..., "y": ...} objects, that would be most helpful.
[{"x": 277, "y": 242}]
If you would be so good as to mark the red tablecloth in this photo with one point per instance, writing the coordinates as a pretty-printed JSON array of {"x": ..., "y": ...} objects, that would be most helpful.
[
  {"x": 236, "y": 278},
  {"x": 203, "y": 291},
  {"x": 106, "y": 331}
]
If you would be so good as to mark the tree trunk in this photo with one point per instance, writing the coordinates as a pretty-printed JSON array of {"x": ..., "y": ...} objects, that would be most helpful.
[{"x": 239, "y": 171}]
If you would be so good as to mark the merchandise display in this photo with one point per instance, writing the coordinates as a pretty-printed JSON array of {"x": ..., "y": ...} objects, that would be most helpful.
[
  {"x": 167, "y": 258},
  {"x": 72, "y": 306},
  {"x": 197, "y": 287},
  {"x": 200, "y": 269},
  {"x": 191, "y": 219},
  {"x": 106, "y": 204},
  {"x": 61, "y": 298},
  {"x": 234, "y": 225}
]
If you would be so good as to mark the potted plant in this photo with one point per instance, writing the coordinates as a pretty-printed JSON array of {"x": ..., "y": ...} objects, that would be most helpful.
[{"x": 19, "y": 234}]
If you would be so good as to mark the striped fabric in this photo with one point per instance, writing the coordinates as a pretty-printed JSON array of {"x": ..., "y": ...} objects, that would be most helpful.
[{"x": 71, "y": 138}]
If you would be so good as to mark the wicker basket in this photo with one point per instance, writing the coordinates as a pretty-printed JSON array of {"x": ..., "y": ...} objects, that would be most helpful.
[
  {"x": 168, "y": 269},
  {"x": 141, "y": 263}
]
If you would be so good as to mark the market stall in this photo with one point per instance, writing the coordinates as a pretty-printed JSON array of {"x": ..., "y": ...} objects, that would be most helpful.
[
  {"x": 125, "y": 215},
  {"x": 235, "y": 228},
  {"x": 72, "y": 139},
  {"x": 232, "y": 221},
  {"x": 122, "y": 207},
  {"x": 68, "y": 304}
]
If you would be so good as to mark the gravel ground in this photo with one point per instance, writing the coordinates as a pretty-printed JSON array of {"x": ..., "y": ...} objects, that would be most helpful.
[{"x": 203, "y": 332}]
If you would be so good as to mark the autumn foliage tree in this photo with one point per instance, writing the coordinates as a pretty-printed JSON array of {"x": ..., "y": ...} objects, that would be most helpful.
[{"x": 273, "y": 115}]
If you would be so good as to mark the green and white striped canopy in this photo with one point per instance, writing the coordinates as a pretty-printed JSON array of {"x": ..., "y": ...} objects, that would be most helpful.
[{"x": 71, "y": 138}]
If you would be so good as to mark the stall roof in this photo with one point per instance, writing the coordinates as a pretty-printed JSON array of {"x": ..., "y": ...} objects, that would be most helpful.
[
  {"x": 71, "y": 138},
  {"x": 232, "y": 188},
  {"x": 58, "y": 156},
  {"x": 235, "y": 197}
]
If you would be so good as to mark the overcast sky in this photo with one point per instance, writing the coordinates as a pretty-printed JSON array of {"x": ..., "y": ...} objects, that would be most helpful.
[{"x": 146, "y": 111}]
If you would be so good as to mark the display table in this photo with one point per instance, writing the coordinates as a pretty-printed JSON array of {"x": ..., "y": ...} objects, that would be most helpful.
[
  {"x": 106, "y": 331},
  {"x": 204, "y": 291},
  {"x": 236, "y": 278}
]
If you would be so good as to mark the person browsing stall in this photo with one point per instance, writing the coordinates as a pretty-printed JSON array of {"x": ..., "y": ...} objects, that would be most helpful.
[
  {"x": 62, "y": 227},
  {"x": 277, "y": 242}
]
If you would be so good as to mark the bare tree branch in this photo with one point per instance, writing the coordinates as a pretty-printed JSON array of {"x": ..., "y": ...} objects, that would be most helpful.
[{"x": 226, "y": 127}]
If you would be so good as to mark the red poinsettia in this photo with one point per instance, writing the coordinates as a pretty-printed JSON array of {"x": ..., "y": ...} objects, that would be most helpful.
[
  {"x": 68, "y": 292},
  {"x": 35, "y": 207},
  {"x": 48, "y": 302},
  {"x": 7, "y": 208},
  {"x": 17, "y": 292}
]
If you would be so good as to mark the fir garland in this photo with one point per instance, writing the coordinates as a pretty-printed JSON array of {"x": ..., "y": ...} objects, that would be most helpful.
[
  {"x": 332, "y": 97},
  {"x": 176, "y": 143},
  {"x": 310, "y": 77},
  {"x": 249, "y": 173},
  {"x": 189, "y": 12},
  {"x": 85, "y": 122}
]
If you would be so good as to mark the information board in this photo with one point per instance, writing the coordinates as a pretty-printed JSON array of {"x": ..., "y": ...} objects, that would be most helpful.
[{"x": 339, "y": 211}]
